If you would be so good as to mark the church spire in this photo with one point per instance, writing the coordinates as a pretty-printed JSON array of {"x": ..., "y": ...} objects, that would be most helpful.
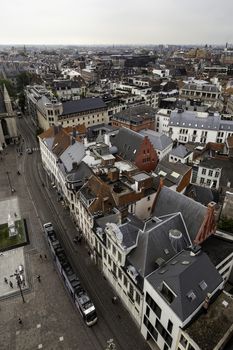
[{"x": 7, "y": 101}]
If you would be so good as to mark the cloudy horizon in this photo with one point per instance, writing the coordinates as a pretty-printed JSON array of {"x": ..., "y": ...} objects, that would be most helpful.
[{"x": 102, "y": 22}]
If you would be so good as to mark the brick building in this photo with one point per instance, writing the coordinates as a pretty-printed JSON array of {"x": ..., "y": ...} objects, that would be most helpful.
[
  {"x": 135, "y": 148},
  {"x": 136, "y": 118}
]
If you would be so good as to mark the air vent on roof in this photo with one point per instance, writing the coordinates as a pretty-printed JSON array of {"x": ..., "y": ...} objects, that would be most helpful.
[
  {"x": 161, "y": 272},
  {"x": 174, "y": 262},
  {"x": 177, "y": 240},
  {"x": 160, "y": 261},
  {"x": 195, "y": 250},
  {"x": 185, "y": 262}
]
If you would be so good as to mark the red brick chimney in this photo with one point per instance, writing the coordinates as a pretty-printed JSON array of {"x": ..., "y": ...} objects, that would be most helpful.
[{"x": 208, "y": 226}]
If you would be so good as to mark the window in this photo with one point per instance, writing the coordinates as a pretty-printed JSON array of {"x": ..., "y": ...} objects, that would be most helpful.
[
  {"x": 153, "y": 305},
  {"x": 169, "y": 326},
  {"x": 190, "y": 347},
  {"x": 217, "y": 174},
  {"x": 183, "y": 341},
  {"x": 131, "y": 292},
  {"x": 167, "y": 293},
  {"x": 119, "y": 257},
  {"x": 191, "y": 295},
  {"x": 109, "y": 260},
  {"x": 105, "y": 255},
  {"x": 114, "y": 268},
  {"x": 147, "y": 311},
  {"x": 165, "y": 347},
  {"x": 137, "y": 298},
  {"x": 119, "y": 274},
  {"x": 203, "y": 285},
  {"x": 150, "y": 328},
  {"x": 125, "y": 281},
  {"x": 114, "y": 250},
  {"x": 162, "y": 331},
  {"x": 202, "y": 180},
  {"x": 210, "y": 172},
  {"x": 203, "y": 171}
]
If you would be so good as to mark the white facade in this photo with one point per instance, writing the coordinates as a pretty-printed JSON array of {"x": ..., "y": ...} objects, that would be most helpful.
[
  {"x": 158, "y": 312},
  {"x": 208, "y": 177},
  {"x": 189, "y": 126},
  {"x": 162, "y": 119},
  {"x": 162, "y": 73}
]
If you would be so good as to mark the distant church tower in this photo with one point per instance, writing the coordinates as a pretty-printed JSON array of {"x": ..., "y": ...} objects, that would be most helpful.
[
  {"x": 7, "y": 102},
  {"x": 8, "y": 128}
]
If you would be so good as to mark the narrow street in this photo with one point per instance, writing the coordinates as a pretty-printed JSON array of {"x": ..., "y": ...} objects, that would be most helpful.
[{"x": 113, "y": 320}]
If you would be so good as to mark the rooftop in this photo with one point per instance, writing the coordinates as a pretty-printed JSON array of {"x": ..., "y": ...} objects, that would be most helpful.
[
  {"x": 186, "y": 294},
  {"x": 83, "y": 105},
  {"x": 217, "y": 249},
  {"x": 211, "y": 327}
]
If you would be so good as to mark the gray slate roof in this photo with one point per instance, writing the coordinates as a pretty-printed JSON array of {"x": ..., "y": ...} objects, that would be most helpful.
[
  {"x": 152, "y": 242},
  {"x": 72, "y": 154},
  {"x": 128, "y": 142},
  {"x": 190, "y": 119},
  {"x": 169, "y": 201},
  {"x": 80, "y": 174},
  {"x": 184, "y": 278},
  {"x": 158, "y": 140},
  {"x": 201, "y": 87},
  {"x": 83, "y": 105},
  {"x": 170, "y": 168},
  {"x": 136, "y": 114},
  {"x": 181, "y": 151}
]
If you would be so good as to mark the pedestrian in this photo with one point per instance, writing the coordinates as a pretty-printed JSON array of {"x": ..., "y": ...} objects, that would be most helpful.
[
  {"x": 5, "y": 280},
  {"x": 45, "y": 256},
  {"x": 38, "y": 278},
  {"x": 20, "y": 321},
  {"x": 11, "y": 284},
  {"x": 41, "y": 258}
]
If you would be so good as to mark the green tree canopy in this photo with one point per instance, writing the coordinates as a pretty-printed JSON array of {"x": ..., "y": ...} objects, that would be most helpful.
[{"x": 10, "y": 87}]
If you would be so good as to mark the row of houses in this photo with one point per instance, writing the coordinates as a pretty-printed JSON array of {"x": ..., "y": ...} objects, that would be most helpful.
[{"x": 142, "y": 235}]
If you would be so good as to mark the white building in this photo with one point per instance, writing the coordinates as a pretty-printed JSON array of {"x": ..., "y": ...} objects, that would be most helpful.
[
  {"x": 202, "y": 127},
  {"x": 208, "y": 175}
]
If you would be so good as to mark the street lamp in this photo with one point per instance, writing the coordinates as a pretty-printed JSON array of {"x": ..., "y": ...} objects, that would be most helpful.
[{"x": 19, "y": 282}]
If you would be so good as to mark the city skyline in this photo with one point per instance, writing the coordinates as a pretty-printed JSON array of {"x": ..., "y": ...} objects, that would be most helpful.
[{"x": 101, "y": 22}]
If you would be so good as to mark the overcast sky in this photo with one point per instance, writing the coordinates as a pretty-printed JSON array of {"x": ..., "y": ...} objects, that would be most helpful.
[{"x": 116, "y": 21}]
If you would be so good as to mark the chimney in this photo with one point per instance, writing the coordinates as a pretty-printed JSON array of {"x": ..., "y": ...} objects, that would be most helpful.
[
  {"x": 74, "y": 133},
  {"x": 113, "y": 174},
  {"x": 211, "y": 206}
]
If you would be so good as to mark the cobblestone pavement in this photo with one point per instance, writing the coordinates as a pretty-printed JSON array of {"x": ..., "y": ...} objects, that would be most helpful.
[{"x": 48, "y": 315}]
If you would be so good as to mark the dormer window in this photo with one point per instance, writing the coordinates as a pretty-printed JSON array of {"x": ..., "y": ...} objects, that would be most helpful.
[
  {"x": 167, "y": 293},
  {"x": 191, "y": 295}
]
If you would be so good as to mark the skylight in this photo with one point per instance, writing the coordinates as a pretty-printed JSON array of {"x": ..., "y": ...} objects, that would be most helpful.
[
  {"x": 203, "y": 285},
  {"x": 174, "y": 174}
]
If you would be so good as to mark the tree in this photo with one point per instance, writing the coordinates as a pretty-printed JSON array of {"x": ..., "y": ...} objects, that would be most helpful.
[
  {"x": 226, "y": 224},
  {"x": 26, "y": 78},
  {"x": 22, "y": 101}
]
